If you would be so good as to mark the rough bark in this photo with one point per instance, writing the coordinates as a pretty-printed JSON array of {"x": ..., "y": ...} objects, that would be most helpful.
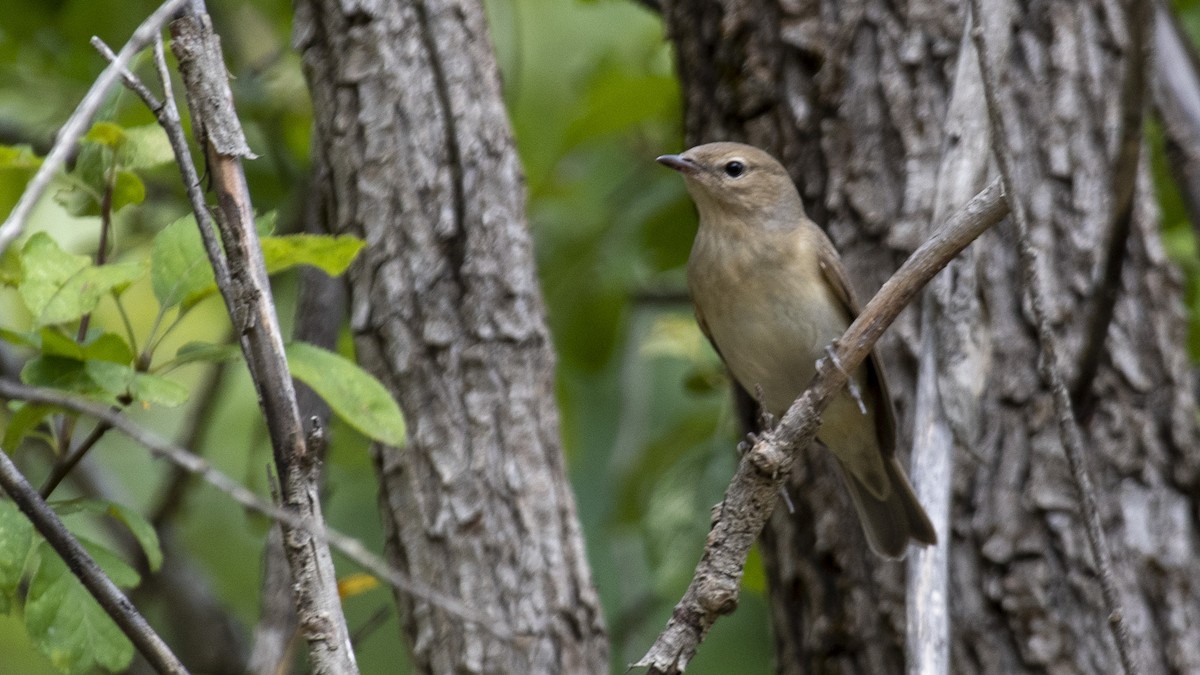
[
  {"x": 446, "y": 311},
  {"x": 854, "y": 98}
]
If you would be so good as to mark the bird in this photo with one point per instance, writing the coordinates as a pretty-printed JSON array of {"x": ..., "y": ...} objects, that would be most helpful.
[{"x": 771, "y": 294}]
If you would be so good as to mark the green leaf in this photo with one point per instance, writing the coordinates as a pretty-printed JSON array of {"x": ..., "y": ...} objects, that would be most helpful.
[
  {"x": 331, "y": 254},
  {"x": 103, "y": 380},
  {"x": 179, "y": 268},
  {"x": 108, "y": 134},
  {"x": 206, "y": 351},
  {"x": 58, "y": 287},
  {"x": 16, "y": 540},
  {"x": 67, "y": 624},
  {"x": 265, "y": 224},
  {"x": 146, "y": 147},
  {"x": 101, "y": 346},
  {"x": 62, "y": 373},
  {"x": 23, "y": 421},
  {"x": 354, "y": 395},
  {"x": 128, "y": 189},
  {"x": 118, "y": 380},
  {"x": 21, "y": 339},
  {"x": 17, "y": 166},
  {"x": 141, "y": 529}
]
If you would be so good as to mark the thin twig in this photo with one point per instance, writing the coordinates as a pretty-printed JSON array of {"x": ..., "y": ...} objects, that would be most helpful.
[
  {"x": 248, "y": 299},
  {"x": 79, "y": 121},
  {"x": 190, "y": 462},
  {"x": 761, "y": 473},
  {"x": 114, "y": 602},
  {"x": 1051, "y": 370},
  {"x": 167, "y": 114}
]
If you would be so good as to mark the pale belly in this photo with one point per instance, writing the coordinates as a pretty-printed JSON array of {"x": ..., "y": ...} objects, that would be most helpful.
[{"x": 771, "y": 336}]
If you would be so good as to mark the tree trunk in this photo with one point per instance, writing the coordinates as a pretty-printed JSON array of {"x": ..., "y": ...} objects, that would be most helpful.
[
  {"x": 854, "y": 98},
  {"x": 446, "y": 311}
]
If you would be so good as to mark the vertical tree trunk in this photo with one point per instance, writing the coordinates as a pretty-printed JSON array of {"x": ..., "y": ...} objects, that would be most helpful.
[
  {"x": 446, "y": 311},
  {"x": 854, "y": 98}
]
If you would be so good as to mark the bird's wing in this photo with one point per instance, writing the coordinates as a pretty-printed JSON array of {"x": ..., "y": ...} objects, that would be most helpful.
[
  {"x": 744, "y": 404},
  {"x": 885, "y": 418}
]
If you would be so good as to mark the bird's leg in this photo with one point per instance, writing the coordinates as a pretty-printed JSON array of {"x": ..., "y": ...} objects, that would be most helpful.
[
  {"x": 766, "y": 421},
  {"x": 850, "y": 383}
]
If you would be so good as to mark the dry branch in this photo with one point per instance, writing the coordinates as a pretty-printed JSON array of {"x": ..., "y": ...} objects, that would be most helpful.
[
  {"x": 78, "y": 123},
  {"x": 114, "y": 602},
  {"x": 196, "y": 465}
]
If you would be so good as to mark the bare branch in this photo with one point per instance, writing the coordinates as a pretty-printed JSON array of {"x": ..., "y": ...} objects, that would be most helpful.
[
  {"x": 78, "y": 123},
  {"x": 242, "y": 280},
  {"x": 1051, "y": 370},
  {"x": 190, "y": 462},
  {"x": 761, "y": 473},
  {"x": 167, "y": 114},
  {"x": 114, "y": 602},
  {"x": 252, "y": 312}
]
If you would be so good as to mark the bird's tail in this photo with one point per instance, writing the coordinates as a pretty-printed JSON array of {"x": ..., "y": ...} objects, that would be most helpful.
[{"x": 890, "y": 523}]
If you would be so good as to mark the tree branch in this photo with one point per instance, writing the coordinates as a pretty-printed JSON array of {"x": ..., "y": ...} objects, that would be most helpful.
[
  {"x": 78, "y": 123},
  {"x": 252, "y": 312},
  {"x": 1051, "y": 367},
  {"x": 190, "y": 462},
  {"x": 114, "y": 602},
  {"x": 761, "y": 473}
]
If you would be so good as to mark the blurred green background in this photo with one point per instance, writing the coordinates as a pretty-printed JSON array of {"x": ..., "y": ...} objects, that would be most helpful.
[
  {"x": 646, "y": 426},
  {"x": 646, "y": 423}
]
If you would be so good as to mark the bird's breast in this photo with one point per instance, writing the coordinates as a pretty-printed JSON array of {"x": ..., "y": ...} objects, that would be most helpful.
[{"x": 770, "y": 316}]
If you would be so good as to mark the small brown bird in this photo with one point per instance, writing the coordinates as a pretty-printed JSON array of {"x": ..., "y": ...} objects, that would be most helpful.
[{"x": 771, "y": 294}]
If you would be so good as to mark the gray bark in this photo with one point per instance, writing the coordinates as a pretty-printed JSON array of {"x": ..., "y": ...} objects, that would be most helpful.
[
  {"x": 854, "y": 98},
  {"x": 446, "y": 311}
]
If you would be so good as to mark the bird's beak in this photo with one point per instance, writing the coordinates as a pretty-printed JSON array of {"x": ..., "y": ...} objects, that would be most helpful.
[{"x": 679, "y": 163}]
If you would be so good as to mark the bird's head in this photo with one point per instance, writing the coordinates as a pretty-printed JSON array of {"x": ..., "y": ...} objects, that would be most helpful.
[{"x": 739, "y": 181}]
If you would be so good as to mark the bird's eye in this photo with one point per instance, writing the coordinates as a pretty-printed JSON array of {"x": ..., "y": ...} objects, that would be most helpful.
[{"x": 735, "y": 169}]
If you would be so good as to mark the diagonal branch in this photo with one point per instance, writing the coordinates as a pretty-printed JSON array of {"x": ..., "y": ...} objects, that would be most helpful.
[
  {"x": 1051, "y": 370},
  {"x": 194, "y": 464},
  {"x": 114, "y": 602},
  {"x": 762, "y": 472},
  {"x": 252, "y": 312},
  {"x": 78, "y": 123}
]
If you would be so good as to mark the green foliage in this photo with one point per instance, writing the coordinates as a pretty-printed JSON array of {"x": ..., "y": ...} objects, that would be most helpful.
[
  {"x": 331, "y": 255},
  {"x": 179, "y": 270},
  {"x": 62, "y": 618},
  {"x": 354, "y": 395},
  {"x": 16, "y": 541},
  {"x": 67, "y": 624},
  {"x": 70, "y": 346},
  {"x": 593, "y": 98},
  {"x": 58, "y": 287}
]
